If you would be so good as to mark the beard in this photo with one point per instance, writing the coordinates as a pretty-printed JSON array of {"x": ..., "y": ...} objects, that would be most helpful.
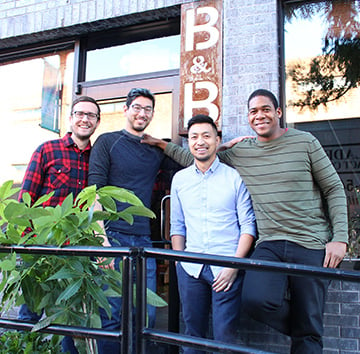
[
  {"x": 139, "y": 129},
  {"x": 202, "y": 158},
  {"x": 85, "y": 136}
]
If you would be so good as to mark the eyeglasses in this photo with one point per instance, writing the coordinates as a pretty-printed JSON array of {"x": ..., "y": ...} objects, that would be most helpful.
[
  {"x": 81, "y": 115},
  {"x": 137, "y": 108}
]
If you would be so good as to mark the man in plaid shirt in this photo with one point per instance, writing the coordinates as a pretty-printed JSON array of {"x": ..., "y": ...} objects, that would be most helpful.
[{"x": 61, "y": 166}]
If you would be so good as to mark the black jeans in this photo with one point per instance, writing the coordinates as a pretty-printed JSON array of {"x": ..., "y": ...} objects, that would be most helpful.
[{"x": 300, "y": 314}]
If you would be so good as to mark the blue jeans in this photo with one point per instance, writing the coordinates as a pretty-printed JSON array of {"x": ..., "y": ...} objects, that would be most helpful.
[
  {"x": 197, "y": 297},
  {"x": 67, "y": 344},
  {"x": 293, "y": 305},
  {"x": 123, "y": 240},
  {"x": 26, "y": 315}
]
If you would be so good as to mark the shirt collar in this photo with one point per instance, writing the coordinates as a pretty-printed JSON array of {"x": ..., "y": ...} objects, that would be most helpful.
[
  {"x": 132, "y": 136},
  {"x": 212, "y": 168},
  {"x": 68, "y": 141}
]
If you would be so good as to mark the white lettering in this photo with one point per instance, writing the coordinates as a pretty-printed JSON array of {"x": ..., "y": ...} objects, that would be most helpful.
[
  {"x": 190, "y": 104},
  {"x": 191, "y": 28}
]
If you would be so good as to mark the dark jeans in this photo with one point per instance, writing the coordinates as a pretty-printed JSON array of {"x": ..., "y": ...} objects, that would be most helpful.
[
  {"x": 197, "y": 298},
  {"x": 124, "y": 240},
  {"x": 294, "y": 305},
  {"x": 67, "y": 344}
]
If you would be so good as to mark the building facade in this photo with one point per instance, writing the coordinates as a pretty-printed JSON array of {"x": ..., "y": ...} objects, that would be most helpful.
[{"x": 52, "y": 51}]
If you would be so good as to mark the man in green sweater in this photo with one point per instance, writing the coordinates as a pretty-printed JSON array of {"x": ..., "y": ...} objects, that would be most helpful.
[{"x": 300, "y": 207}]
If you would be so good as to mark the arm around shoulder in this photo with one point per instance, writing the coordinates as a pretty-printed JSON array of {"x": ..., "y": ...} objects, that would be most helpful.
[{"x": 148, "y": 139}]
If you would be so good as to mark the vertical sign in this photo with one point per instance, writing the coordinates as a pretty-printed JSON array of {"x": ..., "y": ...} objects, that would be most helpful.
[{"x": 201, "y": 61}]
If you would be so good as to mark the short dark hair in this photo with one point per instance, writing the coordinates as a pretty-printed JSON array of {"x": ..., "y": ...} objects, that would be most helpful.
[
  {"x": 139, "y": 92},
  {"x": 202, "y": 118},
  {"x": 265, "y": 93},
  {"x": 86, "y": 99}
]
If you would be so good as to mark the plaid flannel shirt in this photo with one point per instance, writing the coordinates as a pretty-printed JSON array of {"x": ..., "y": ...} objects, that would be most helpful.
[{"x": 59, "y": 166}]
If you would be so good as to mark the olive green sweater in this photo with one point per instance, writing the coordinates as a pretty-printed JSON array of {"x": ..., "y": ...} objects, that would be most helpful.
[{"x": 293, "y": 185}]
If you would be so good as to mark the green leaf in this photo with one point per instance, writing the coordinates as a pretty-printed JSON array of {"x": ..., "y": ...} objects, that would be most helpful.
[
  {"x": 95, "y": 321},
  {"x": 113, "y": 274},
  {"x": 154, "y": 299},
  {"x": 45, "y": 322},
  {"x": 76, "y": 264},
  {"x": 86, "y": 197},
  {"x": 27, "y": 198},
  {"x": 8, "y": 264},
  {"x": 71, "y": 290},
  {"x": 108, "y": 203},
  {"x": 7, "y": 191},
  {"x": 140, "y": 211},
  {"x": 73, "y": 219},
  {"x": 42, "y": 221},
  {"x": 44, "y": 198},
  {"x": 126, "y": 216},
  {"x": 121, "y": 194},
  {"x": 35, "y": 213},
  {"x": 14, "y": 277},
  {"x": 65, "y": 273},
  {"x": 45, "y": 301},
  {"x": 10, "y": 239},
  {"x": 67, "y": 205},
  {"x": 99, "y": 296},
  {"x": 15, "y": 213}
]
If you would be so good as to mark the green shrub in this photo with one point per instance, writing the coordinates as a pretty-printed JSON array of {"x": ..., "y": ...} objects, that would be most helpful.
[
  {"x": 13, "y": 342},
  {"x": 69, "y": 289}
]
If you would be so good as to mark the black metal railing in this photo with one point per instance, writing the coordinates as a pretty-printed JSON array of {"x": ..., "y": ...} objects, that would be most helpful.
[{"x": 135, "y": 258}]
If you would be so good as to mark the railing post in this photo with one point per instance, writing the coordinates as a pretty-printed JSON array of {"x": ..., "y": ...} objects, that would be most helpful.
[
  {"x": 127, "y": 307},
  {"x": 140, "y": 302},
  {"x": 174, "y": 305}
]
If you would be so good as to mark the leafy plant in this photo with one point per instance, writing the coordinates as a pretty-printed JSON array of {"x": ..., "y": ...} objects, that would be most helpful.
[
  {"x": 68, "y": 289},
  {"x": 13, "y": 342}
]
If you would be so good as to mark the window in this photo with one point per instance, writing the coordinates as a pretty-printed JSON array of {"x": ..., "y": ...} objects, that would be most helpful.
[
  {"x": 322, "y": 50},
  {"x": 135, "y": 58},
  {"x": 146, "y": 55},
  {"x": 322, "y": 46},
  {"x": 35, "y": 94}
]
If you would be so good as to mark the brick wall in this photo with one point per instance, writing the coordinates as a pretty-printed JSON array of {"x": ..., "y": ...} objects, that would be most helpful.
[
  {"x": 341, "y": 324},
  {"x": 342, "y": 318},
  {"x": 250, "y": 58},
  {"x": 19, "y": 17}
]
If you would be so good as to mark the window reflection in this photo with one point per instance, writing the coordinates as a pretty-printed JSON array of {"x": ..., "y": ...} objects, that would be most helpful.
[
  {"x": 34, "y": 98},
  {"x": 322, "y": 47},
  {"x": 113, "y": 117},
  {"x": 134, "y": 58}
]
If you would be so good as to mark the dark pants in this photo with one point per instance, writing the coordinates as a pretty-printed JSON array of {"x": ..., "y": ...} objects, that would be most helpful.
[
  {"x": 114, "y": 323},
  {"x": 293, "y": 305},
  {"x": 67, "y": 344},
  {"x": 197, "y": 297}
]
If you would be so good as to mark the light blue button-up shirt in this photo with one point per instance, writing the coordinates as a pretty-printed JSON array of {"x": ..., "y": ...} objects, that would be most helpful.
[{"x": 211, "y": 210}]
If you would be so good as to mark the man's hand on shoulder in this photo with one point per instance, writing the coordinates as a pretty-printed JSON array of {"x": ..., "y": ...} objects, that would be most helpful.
[
  {"x": 335, "y": 252},
  {"x": 148, "y": 139}
]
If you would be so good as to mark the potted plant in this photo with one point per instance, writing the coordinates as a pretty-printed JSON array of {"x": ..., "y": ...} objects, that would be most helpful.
[{"x": 68, "y": 289}]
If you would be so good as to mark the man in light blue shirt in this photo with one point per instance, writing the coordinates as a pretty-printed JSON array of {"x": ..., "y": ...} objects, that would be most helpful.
[{"x": 211, "y": 212}]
